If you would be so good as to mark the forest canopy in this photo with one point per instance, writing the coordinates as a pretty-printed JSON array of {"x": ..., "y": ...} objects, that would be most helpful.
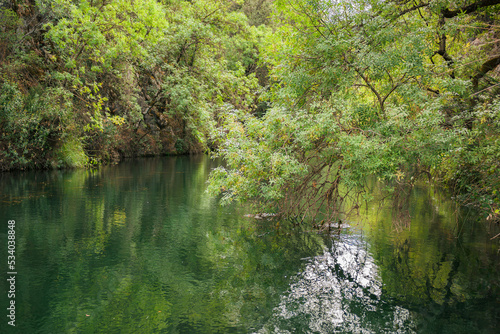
[{"x": 305, "y": 100}]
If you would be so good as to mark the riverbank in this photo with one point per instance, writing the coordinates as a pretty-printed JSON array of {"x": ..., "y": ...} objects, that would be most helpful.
[
  {"x": 58, "y": 150},
  {"x": 285, "y": 96}
]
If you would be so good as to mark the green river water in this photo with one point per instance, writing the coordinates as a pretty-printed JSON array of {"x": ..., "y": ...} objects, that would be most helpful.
[{"x": 141, "y": 248}]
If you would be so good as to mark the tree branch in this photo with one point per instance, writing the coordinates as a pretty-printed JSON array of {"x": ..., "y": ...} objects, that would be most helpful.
[
  {"x": 411, "y": 9},
  {"x": 442, "y": 49},
  {"x": 489, "y": 65},
  {"x": 470, "y": 8},
  {"x": 372, "y": 88}
]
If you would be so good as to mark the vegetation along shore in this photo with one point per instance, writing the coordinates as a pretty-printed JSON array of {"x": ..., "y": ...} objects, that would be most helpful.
[{"x": 305, "y": 100}]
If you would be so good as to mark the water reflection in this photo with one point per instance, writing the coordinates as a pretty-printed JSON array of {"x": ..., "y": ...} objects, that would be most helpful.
[
  {"x": 141, "y": 248},
  {"x": 339, "y": 292}
]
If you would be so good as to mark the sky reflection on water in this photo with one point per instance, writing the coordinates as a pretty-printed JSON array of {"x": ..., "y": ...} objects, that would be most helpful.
[{"x": 339, "y": 291}]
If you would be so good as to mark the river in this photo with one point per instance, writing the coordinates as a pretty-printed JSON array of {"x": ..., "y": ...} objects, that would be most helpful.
[{"x": 141, "y": 248}]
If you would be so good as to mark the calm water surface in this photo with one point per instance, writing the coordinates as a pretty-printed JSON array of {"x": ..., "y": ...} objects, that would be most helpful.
[{"x": 141, "y": 248}]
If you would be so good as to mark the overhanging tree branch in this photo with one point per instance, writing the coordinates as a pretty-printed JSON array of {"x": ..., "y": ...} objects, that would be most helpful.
[{"x": 470, "y": 8}]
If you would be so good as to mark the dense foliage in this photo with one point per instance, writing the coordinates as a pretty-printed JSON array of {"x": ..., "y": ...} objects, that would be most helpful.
[
  {"x": 93, "y": 81},
  {"x": 400, "y": 90},
  {"x": 305, "y": 99}
]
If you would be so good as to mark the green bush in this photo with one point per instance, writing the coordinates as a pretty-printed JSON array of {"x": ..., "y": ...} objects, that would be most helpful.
[{"x": 31, "y": 126}]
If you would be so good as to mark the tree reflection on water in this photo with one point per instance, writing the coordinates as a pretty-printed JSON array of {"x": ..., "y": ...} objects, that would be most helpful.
[{"x": 141, "y": 248}]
